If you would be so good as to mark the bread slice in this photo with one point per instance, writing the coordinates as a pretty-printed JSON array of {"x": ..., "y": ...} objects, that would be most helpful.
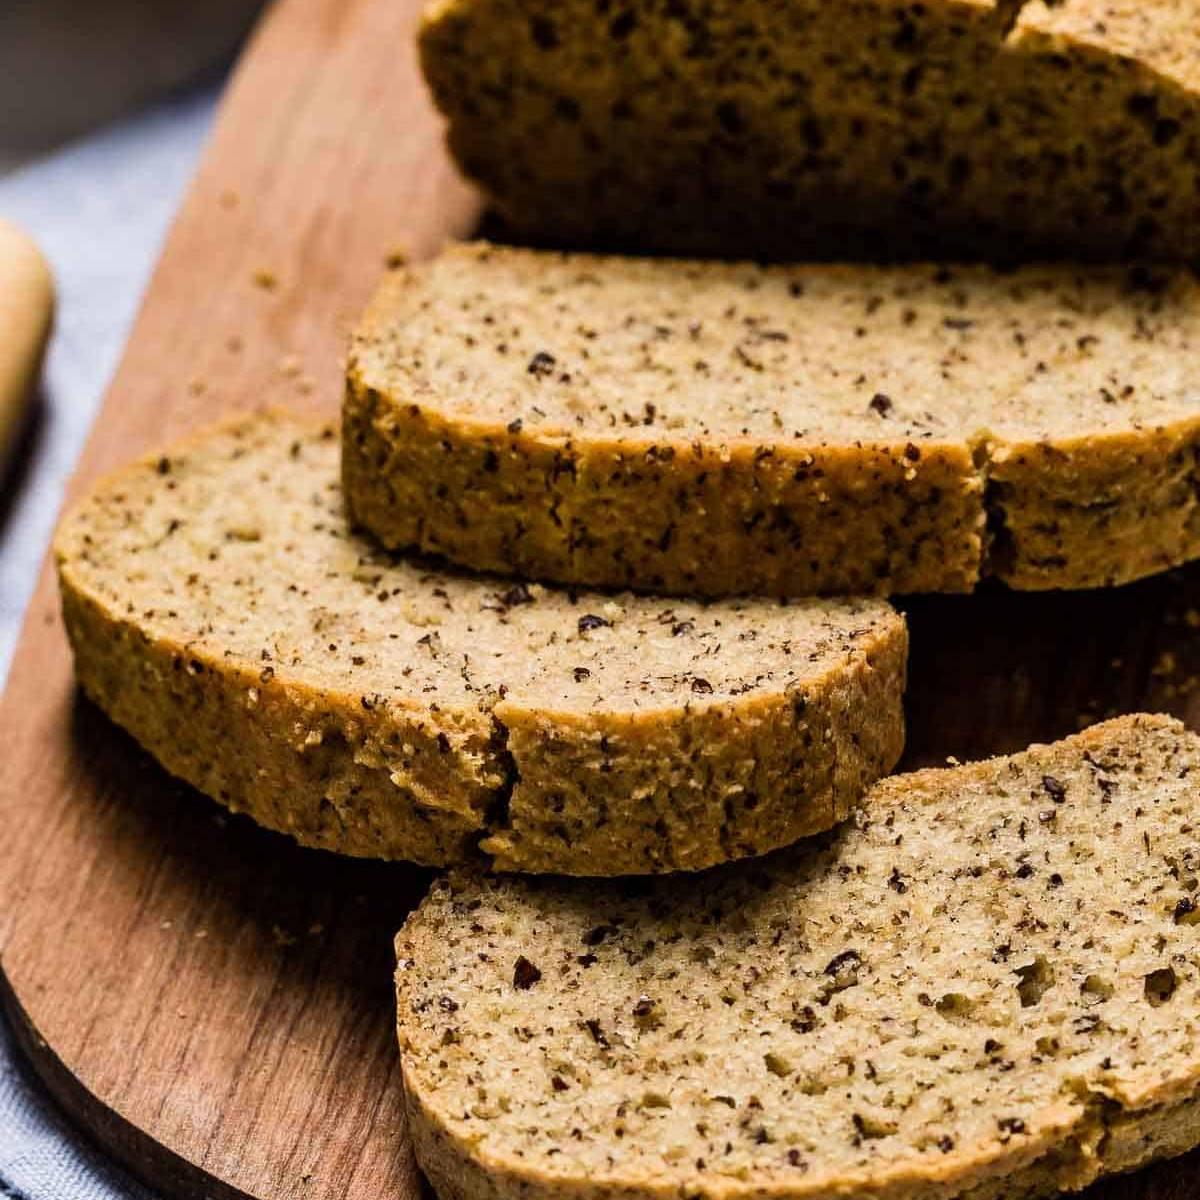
[
  {"x": 986, "y": 986},
  {"x": 724, "y": 428},
  {"x": 222, "y": 612},
  {"x": 949, "y": 128}
]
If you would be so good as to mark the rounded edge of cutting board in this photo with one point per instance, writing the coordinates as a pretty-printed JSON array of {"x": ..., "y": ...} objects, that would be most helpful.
[
  {"x": 153, "y": 1163},
  {"x": 207, "y": 1001}
]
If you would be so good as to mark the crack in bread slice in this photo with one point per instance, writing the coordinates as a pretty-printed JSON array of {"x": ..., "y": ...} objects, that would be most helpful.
[
  {"x": 222, "y": 612},
  {"x": 866, "y": 128},
  {"x": 987, "y": 985},
  {"x": 725, "y": 428}
]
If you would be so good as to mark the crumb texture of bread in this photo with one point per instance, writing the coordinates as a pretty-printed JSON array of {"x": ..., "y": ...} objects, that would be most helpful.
[
  {"x": 722, "y": 428},
  {"x": 221, "y": 610},
  {"x": 986, "y": 986},
  {"x": 950, "y": 128}
]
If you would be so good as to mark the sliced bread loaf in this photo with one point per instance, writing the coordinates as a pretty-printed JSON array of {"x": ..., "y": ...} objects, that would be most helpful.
[
  {"x": 985, "y": 987},
  {"x": 944, "y": 128},
  {"x": 724, "y": 428},
  {"x": 222, "y": 612}
]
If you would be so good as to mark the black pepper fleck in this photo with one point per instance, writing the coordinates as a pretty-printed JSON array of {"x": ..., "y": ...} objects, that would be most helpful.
[
  {"x": 519, "y": 593},
  {"x": 1054, "y": 789},
  {"x": 525, "y": 974}
]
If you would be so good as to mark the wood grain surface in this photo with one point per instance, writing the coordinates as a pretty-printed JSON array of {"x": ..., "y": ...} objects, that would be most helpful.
[{"x": 211, "y": 1002}]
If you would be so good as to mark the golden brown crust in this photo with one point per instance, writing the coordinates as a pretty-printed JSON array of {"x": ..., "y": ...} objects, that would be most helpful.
[
  {"x": 221, "y": 611},
  {"x": 797, "y": 769},
  {"x": 1095, "y": 512},
  {"x": 288, "y": 755},
  {"x": 1068, "y": 1156},
  {"x": 693, "y": 519}
]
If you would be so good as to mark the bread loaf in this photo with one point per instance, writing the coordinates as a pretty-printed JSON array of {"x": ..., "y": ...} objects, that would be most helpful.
[{"x": 949, "y": 128}]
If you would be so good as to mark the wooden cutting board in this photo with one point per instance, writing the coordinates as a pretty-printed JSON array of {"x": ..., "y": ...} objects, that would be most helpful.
[{"x": 210, "y": 1002}]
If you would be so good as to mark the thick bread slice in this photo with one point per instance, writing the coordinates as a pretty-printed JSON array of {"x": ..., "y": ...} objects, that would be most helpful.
[
  {"x": 722, "y": 428},
  {"x": 948, "y": 128},
  {"x": 987, "y": 986},
  {"x": 222, "y": 612}
]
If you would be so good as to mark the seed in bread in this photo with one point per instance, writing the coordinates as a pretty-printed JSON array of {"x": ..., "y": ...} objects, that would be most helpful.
[
  {"x": 719, "y": 428},
  {"x": 986, "y": 986},
  {"x": 222, "y": 612},
  {"x": 948, "y": 128}
]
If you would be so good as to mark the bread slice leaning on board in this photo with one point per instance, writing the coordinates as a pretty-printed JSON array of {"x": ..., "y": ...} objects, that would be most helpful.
[
  {"x": 968, "y": 128},
  {"x": 701, "y": 427},
  {"x": 987, "y": 985},
  {"x": 221, "y": 611}
]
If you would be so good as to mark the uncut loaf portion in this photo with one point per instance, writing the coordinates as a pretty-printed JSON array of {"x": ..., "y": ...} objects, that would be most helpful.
[
  {"x": 698, "y": 427},
  {"x": 985, "y": 987},
  {"x": 946, "y": 128},
  {"x": 221, "y": 611}
]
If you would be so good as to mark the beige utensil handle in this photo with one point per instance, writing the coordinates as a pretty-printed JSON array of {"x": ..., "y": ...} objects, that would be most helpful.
[{"x": 26, "y": 314}]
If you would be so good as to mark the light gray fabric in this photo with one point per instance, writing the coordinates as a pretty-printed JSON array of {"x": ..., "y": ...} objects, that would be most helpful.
[
  {"x": 41, "y": 1158},
  {"x": 99, "y": 210}
]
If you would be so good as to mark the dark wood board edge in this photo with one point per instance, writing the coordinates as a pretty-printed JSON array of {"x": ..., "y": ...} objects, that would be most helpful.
[{"x": 149, "y": 1161}]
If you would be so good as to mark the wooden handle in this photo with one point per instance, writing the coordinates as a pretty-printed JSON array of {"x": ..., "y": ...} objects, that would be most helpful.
[{"x": 26, "y": 314}]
